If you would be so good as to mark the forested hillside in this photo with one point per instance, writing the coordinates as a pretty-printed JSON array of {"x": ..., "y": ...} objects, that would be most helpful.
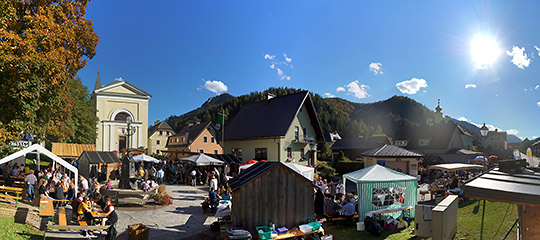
[{"x": 335, "y": 114}]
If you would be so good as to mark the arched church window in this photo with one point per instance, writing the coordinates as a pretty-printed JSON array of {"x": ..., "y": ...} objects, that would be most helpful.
[{"x": 121, "y": 116}]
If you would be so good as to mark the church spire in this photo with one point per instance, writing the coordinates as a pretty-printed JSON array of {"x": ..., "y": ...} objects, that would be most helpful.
[
  {"x": 98, "y": 81},
  {"x": 438, "y": 108}
]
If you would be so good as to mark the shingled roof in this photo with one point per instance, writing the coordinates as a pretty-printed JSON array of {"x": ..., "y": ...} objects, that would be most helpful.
[
  {"x": 192, "y": 132},
  {"x": 271, "y": 118},
  {"x": 439, "y": 135},
  {"x": 390, "y": 151},
  {"x": 162, "y": 125},
  {"x": 259, "y": 169}
]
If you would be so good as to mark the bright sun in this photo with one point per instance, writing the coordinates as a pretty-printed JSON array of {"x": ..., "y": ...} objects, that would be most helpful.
[{"x": 484, "y": 51}]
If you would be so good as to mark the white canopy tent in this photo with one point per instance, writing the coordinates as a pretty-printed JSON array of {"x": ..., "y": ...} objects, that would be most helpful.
[
  {"x": 39, "y": 149},
  {"x": 202, "y": 159},
  {"x": 307, "y": 172},
  {"x": 456, "y": 167},
  {"x": 146, "y": 158}
]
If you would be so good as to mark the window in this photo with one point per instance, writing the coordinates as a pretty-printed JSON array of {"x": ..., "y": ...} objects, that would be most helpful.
[
  {"x": 383, "y": 197},
  {"x": 237, "y": 152},
  {"x": 183, "y": 139},
  {"x": 400, "y": 143},
  {"x": 158, "y": 142},
  {"x": 201, "y": 150},
  {"x": 261, "y": 154},
  {"x": 205, "y": 139},
  {"x": 168, "y": 133},
  {"x": 296, "y": 137},
  {"x": 302, "y": 154},
  {"x": 212, "y": 139},
  {"x": 175, "y": 140},
  {"x": 121, "y": 116},
  {"x": 160, "y": 133},
  {"x": 216, "y": 151},
  {"x": 289, "y": 153},
  {"x": 423, "y": 142}
]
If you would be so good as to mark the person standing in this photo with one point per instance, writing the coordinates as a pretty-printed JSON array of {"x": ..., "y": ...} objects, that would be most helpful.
[
  {"x": 30, "y": 181},
  {"x": 159, "y": 175},
  {"x": 193, "y": 177},
  {"x": 214, "y": 183},
  {"x": 319, "y": 203},
  {"x": 340, "y": 188},
  {"x": 112, "y": 218}
]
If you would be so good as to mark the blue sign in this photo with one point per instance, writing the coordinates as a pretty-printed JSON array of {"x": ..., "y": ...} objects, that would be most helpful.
[{"x": 517, "y": 154}]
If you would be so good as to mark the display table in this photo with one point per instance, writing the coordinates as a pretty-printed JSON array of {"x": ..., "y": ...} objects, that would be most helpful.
[
  {"x": 382, "y": 211},
  {"x": 224, "y": 209}
]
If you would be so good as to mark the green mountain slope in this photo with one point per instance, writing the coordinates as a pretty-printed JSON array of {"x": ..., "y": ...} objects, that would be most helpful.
[{"x": 349, "y": 119}]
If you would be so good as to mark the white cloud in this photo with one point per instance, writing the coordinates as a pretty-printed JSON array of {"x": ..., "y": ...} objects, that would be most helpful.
[
  {"x": 269, "y": 57},
  {"x": 286, "y": 58},
  {"x": 519, "y": 57},
  {"x": 359, "y": 91},
  {"x": 119, "y": 79},
  {"x": 340, "y": 89},
  {"x": 538, "y": 103},
  {"x": 329, "y": 95},
  {"x": 512, "y": 131},
  {"x": 537, "y": 49},
  {"x": 463, "y": 119},
  {"x": 272, "y": 66},
  {"x": 279, "y": 72},
  {"x": 216, "y": 87},
  {"x": 470, "y": 86},
  {"x": 411, "y": 86},
  {"x": 536, "y": 87},
  {"x": 375, "y": 68}
]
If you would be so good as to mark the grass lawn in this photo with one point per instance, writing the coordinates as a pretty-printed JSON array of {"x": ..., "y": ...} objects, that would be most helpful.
[
  {"x": 469, "y": 221},
  {"x": 11, "y": 230}
]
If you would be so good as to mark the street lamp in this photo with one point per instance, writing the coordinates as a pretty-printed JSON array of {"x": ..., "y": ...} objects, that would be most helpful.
[
  {"x": 129, "y": 131},
  {"x": 484, "y": 130}
]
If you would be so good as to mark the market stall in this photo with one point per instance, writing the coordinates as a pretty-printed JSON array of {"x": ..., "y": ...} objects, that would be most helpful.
[
  {"x": 92, "y": 163},
  {"x": 382, "y": 188},
  {"x": 202, "y": 159},
  {"x": 307, "y": 172},
  {"x": 452, "y": 167}
]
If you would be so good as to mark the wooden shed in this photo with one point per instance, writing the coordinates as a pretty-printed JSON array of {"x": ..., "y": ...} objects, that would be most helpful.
[
  {"x": 90, "y": 163},
  {"x": 271, "y": 192},
  {"x": 70, "y": 150}
]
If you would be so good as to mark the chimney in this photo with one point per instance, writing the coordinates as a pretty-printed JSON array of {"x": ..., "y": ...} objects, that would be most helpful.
[{"x": 270, "y": 96}]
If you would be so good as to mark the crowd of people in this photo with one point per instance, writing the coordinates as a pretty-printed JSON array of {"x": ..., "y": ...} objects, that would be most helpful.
[{"x": 331, "y": 200}]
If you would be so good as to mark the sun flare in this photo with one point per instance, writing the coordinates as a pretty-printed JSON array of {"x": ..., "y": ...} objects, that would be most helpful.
[{"x": 484, "y": 51}]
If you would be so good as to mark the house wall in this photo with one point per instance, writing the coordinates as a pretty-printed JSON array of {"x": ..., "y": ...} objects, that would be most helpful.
[
  {"x": 248, "y": 148},
  {"x": 410, "y": 164},
  {"x": 208, "y": 146},
  {"x": 302, "y": 120},
  {"x": 108, "y": 131},
  {"x": 278, "y": 196},
  {"x": 153, "y": 147}
]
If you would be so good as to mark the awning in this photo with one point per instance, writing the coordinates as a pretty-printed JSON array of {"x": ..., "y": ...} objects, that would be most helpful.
[
  {"x": 456, "y": 166},
  {"x": 145, "y": 158},
  {"x": 202, "y": 160}
]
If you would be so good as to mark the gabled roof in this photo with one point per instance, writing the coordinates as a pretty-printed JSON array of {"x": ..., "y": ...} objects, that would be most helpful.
[
  {"x": 193, "y": 132},
  {"x": 95, "y": 157},
  {"x": 117, "y": 83},
  {"x": 163, "y": 125},
  {"x": 378, "y": 173},
  {"x": 390, "y": 151},
  {"x": 360, "y": 143},
  {"x": 271, "y": 118},
  {"x": 438, "y": 135},
  {"x": 259, "y": 169},
  {"x": 227, "y": 158}
]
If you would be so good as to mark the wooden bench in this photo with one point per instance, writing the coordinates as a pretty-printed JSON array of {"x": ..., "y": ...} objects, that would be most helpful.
[
  {"x": 61, "y": 202},
  {"x": 62, "y": 221},
  {"x": 73, "y": 231},
  {"x": 121, "y": 196}
]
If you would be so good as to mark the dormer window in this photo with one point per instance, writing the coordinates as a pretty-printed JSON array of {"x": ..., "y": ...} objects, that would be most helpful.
[
  {"x": 423, "y": 142},
  {"x": 401, "y": 143}
]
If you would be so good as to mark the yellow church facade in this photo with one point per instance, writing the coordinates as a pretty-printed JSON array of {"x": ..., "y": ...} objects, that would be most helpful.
[{"x": 115, "y": 103}]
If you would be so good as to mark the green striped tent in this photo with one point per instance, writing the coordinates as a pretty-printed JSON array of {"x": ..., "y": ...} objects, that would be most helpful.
[{"x": 382, "y": 188}]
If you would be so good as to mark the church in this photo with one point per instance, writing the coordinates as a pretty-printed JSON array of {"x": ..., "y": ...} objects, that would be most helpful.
[{"x": 116, "y": 104}]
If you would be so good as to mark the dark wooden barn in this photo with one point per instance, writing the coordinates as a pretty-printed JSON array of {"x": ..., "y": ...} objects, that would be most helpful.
[
  {"x": 89, "y": 160},
  {"x": 271, "y": 192}
]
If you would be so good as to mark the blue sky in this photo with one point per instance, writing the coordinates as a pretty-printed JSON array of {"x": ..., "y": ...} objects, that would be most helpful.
[{"x": 183, "y": 52}]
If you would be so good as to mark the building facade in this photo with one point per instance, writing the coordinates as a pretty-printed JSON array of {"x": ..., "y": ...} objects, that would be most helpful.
[
  {"x": 284, "y": 129},
  {"x": 115, "y": 103},
  {"x": 158, "y": 136},
  {"x": 198, "y": 138},
  {"x": 496, "y": 141}
]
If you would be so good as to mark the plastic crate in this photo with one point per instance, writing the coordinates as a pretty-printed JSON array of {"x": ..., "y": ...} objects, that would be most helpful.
[
  {"x": 282, "y": 230},
  {"x": 265, "y": 232},
  {"x": 315, "y": 225},
  {"x": 305, "y": 228}
]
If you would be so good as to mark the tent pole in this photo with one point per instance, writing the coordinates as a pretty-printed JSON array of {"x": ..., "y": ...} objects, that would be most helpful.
[
  {"x": 482, "y": 226},
  {"x": 38, "y": 160}
]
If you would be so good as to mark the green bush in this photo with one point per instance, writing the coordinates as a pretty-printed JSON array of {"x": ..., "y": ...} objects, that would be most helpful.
[{"x": 325, "y": 171}]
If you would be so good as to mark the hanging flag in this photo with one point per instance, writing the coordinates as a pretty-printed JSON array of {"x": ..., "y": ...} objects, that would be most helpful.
[{"x": 219, "y": 126}]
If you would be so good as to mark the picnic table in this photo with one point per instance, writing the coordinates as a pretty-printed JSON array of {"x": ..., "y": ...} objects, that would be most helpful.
[
  {"x": 46, "y": 209},
  {"x": 17, "y": 191},
  {"x": 406, "y": 211}
]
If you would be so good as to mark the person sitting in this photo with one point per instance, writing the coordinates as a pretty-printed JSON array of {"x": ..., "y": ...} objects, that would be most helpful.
[
  {"x": 112, "y": 218},
  {"x": 84, "y": 210},
  {"x": 348, "y": 210},
  {"x": 213, "y": 199},
  {"x": 44, "y": 191},
  {"x": 331, "y": 206},
  {"x": 226, "y": 196},
  {"x": 71, "y": 191}
]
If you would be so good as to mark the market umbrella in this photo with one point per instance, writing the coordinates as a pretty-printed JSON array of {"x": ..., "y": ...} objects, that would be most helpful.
[
  {"x": 202, "y": 159},
  {"x": 493, "y": 156},
  {"x": 250, "y": 162},
  {"x": 146, "y": 158}
]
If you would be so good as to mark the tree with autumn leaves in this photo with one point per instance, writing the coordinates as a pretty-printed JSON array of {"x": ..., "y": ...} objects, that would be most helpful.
[{"x": 43, "y": 44}]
